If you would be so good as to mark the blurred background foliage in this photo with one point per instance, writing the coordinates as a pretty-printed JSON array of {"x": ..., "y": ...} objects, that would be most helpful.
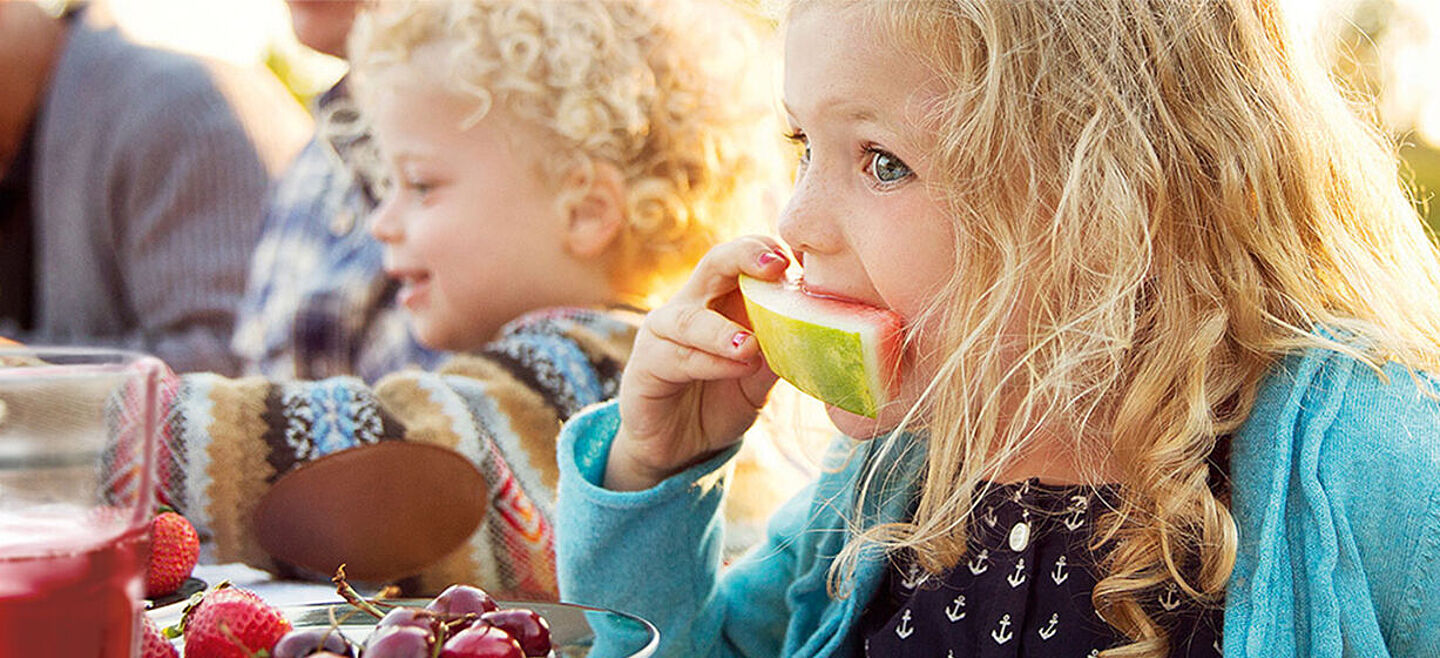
[{"x": 1382, "y": 51}]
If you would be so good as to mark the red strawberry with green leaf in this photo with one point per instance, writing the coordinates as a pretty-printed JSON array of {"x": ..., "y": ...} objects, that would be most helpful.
[
  {"x": 230, "y": 622},
  {"x": 155, "y": 644},
  {"x": 174, "y": 549}
]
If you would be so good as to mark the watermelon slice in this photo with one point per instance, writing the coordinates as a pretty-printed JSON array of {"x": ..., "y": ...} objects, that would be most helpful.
[{"x": 841, "y": 352}]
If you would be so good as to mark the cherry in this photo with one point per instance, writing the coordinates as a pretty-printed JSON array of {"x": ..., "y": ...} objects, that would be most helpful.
[
  {"x": 526, "y": 626},
  {"x": 406, "y": 616},
  {"x": 462, "y": 599},
  {"x": 482, "y": 641},
  {"x": 398, "y": 642},
  {"x": 311, "y": 641}
]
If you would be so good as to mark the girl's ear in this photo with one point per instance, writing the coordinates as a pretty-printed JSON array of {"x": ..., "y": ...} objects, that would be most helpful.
[{"x": 596, "y": 209}]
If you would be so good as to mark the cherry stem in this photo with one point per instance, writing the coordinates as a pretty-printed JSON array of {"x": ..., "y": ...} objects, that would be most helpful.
[{"x": 352, "y": 597}]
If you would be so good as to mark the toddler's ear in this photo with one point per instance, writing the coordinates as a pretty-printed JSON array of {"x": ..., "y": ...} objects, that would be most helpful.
[{"x": 596, "y": 209}]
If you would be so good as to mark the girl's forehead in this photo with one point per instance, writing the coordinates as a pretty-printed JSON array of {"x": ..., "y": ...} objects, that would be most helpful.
[{"x": 841, "y": 63}]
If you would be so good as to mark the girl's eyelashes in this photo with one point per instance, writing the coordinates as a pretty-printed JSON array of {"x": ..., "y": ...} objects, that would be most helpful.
[{"x": 885, "y": 168}]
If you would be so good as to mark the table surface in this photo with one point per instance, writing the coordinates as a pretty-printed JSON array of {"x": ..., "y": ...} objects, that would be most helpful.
[{"x": 276, "y": 592}]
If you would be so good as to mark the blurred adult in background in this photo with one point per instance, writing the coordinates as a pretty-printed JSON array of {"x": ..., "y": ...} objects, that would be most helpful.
[
  {"x": 318, "y": 303},
  {"x": 133, "y": 185}
]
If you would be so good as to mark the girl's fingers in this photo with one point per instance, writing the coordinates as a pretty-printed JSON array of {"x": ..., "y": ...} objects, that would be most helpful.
[
  {"x": 703, "y": 329},
  {"x": 673, "y": 364},
  {"x": 757, "y": 256}
]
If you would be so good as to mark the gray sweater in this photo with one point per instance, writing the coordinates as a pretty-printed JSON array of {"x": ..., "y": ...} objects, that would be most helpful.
[{"x": 150, "y": 175}]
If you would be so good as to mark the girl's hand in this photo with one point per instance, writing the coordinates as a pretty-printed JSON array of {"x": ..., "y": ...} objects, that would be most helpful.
[{"x": 695, "y": 380}]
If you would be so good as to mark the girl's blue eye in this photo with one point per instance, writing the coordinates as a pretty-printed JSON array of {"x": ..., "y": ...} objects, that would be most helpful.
[{"x": 886, "y": 168}]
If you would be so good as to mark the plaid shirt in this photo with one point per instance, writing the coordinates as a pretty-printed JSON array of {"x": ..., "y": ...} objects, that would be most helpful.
[{"x": 317, "y": 303}]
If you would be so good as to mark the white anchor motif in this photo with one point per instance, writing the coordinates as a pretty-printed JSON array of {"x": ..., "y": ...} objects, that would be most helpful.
[
  {"x": 1168, "y": 599},
  {"x": 1019, "y": 494},
  {"x": 989, "y": 517},
  {"x": 1049, "y": 631},
  {"x": 1059, "y": 575},
  {"x": 1002, "y": 634},
  {"x": 904, "y": 630},
  {"x": 956, "y": 610},
  {"x": 913, "y": 577},
  {"x": 1018, "y": 577},
  {"x": 1078, "y": 505},
  {"x": 979, "y": 564}
]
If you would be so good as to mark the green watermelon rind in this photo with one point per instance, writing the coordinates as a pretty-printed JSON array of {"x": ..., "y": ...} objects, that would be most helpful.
[{"x": 819, "y": 347}]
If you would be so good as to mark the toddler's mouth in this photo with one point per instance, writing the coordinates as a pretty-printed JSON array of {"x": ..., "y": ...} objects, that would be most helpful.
[{"x": 414, "y": 286}]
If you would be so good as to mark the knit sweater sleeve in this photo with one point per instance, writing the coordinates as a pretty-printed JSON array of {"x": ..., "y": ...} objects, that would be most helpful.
[
  {"x": 501, "y": 407},
  {"x": 657, "y": 553}
]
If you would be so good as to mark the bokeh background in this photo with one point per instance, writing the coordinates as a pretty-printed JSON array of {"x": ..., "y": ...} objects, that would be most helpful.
[{"x": 1384, "y": 52}]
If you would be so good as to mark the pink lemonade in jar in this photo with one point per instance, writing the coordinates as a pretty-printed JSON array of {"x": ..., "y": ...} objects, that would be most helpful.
[{"x": 70, "y": 584}]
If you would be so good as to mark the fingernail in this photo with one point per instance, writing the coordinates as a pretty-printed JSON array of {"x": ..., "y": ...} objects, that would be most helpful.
[
  {"x": 739, "y": 338},
  {"x": 770, "y": 257}
]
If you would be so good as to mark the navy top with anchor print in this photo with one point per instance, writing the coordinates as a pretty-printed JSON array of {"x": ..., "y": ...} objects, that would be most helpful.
[{"x": 1024, "y": 589}]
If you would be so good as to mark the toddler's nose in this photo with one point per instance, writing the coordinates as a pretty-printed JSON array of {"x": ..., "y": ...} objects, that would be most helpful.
[{"x": 384, "y": 223}]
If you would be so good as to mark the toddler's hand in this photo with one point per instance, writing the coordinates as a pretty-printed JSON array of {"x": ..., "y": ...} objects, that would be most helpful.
[{"x": 695, "y": 380}]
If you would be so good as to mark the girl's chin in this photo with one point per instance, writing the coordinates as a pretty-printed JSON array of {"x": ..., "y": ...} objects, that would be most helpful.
[{"x": 856, "y": 426}]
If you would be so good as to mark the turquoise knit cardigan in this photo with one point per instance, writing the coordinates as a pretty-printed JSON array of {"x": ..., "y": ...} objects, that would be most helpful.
[{"x": 1336, "y": 494}]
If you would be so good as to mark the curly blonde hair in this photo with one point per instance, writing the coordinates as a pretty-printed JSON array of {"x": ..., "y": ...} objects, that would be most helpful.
[
  {"x": 673, "y": 94},
  {"x": 1167, "y": 198}
]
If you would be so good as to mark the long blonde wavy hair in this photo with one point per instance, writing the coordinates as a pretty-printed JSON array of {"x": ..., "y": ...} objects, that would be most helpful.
[
  {"x": 1165, "y": 197},
  {"x": 673, "y": 94}
]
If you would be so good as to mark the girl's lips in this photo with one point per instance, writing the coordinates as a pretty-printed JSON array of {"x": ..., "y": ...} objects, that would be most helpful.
[{"x": 821, "y": 293}]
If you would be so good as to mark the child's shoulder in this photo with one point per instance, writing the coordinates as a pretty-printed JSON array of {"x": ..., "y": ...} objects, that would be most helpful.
[
  {"x": 571, "y": 356},
  {"x": 617, "y": 322},
  {"x": 1336, "y": 491},
  {"x": 1352, "y": 426}
]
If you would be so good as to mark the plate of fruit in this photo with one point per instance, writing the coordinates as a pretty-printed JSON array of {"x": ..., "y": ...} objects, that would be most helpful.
[{"x": 462, "y": 622}]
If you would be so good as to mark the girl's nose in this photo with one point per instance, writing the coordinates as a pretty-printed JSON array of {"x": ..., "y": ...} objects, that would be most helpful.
[
  {"x": 385, "y": 223},
  {"x": 807, "y": 221}
]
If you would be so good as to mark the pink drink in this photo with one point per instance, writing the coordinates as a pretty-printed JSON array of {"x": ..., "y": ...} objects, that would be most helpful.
[{"x": 70, "y": 586}]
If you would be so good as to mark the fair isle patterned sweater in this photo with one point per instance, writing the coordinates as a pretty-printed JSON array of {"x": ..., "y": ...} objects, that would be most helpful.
[{"x": 501, "y": 406}]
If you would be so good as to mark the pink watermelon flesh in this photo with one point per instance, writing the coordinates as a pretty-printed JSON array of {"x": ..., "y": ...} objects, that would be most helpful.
[{"x": 842, "y": 352}]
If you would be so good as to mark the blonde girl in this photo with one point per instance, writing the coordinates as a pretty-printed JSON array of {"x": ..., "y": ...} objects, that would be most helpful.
[{"x": 1171, "y": 323}]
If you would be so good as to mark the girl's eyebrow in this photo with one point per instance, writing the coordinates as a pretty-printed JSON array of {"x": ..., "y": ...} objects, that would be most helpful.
[{"x": 846, "y": 110}]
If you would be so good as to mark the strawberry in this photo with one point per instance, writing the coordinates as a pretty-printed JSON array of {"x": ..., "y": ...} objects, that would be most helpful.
[
  {"x": 156, "y": 645},
  {"x": 174, "y": 549},
  {"x": 232, "y": 622}
]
